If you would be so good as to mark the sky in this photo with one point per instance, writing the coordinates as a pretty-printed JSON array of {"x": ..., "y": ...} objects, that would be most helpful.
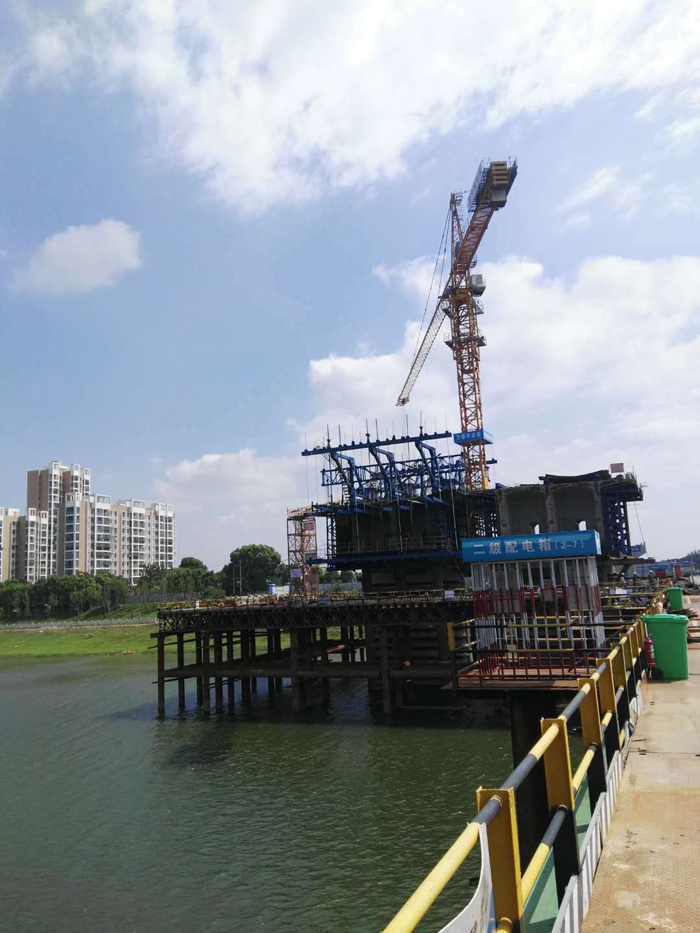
[{"x": 218, "y": 224}]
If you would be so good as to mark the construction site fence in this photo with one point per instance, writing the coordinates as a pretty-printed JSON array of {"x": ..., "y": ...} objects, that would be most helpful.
[
  {"x": 163, "y": 596},
  {"x": 606, "y": 705}
]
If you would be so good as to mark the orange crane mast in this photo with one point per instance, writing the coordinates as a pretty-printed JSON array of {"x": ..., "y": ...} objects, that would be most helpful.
[{"x": 459, "y": 302}]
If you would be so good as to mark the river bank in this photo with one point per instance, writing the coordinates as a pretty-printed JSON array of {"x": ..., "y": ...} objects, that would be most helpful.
[
  {"x": 54, "y": 641},
  {"x": 81, "y": 641}
]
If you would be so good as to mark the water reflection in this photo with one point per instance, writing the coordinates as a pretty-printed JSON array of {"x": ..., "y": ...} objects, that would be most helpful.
[{"x": 256, "y": 821}]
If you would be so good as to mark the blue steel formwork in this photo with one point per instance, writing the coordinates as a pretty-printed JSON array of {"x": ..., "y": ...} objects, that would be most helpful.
[
  {"x": 617, "y": 530},
  {"x": 389, "y": 509}
]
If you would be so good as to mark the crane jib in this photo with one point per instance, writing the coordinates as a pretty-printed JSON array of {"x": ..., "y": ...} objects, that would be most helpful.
[
  {"x": 427, "y": 342},
  {"x": 488, "y": 194}
]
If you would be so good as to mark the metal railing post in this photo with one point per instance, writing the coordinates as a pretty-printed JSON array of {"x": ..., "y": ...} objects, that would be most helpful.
[
  {"x": 639, "y": 639},
  {"x": 628, "y": 651},
  {"x": 560, "y": 794},
  {"x": 593, "y": 738},
  {"x": 611, "y": 736},
  {"x": 504, "y": 855},
  {"x": 620, "y": 679}
]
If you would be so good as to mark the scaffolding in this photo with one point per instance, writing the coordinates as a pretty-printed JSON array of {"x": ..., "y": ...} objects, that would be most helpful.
[{"x": 302, "y": 549}]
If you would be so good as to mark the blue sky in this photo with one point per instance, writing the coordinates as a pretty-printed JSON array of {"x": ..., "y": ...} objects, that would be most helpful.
[{"x": 217, "y": 228}]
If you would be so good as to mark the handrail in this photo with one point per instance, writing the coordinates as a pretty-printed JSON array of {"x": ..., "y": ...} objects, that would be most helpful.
[
  {"x": 425, "y": 894},
  {"x": 408, "y": 917},
  {"x": 582, "y": 769}
]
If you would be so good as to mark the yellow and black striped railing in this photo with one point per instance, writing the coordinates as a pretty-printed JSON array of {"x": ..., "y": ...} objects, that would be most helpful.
[{"x": 603, "y": 702}]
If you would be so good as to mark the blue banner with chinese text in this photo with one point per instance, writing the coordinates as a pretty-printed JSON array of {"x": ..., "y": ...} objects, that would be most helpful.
[{"x": 531, "y": 547}]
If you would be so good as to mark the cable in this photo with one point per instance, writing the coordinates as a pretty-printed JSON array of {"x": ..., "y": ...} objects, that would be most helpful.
[
  {"x": 441, "y": 250},
  {"x": 641, "y": 533}
]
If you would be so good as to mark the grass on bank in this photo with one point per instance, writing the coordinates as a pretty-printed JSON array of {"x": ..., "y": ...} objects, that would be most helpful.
[
  {"x": 49, "y": 643},
  {"x": 83, "y": 642},
  {"x": 139, "y": 611}
]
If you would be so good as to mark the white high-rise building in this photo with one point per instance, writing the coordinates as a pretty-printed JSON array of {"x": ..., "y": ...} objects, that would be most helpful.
[
  {"x": 66, "y": 530},
  {"x": 33, "y": 545},
  {"x": 96, "y": 534},
  {"x": 47, "y": 489},
  {"x": 9, "y": 526}
]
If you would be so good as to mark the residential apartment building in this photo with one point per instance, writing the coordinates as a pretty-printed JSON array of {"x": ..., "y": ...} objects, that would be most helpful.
[
  {"x": 9, "y": 521},
  {"x": 96, "y": 534},
  {"x": 33, "y": 546},
  {"x": 67, "y": 530},
  {"x": 47, "y": 489}
]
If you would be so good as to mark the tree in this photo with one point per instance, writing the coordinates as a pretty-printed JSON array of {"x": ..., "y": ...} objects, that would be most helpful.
[
  {"x": 85, "y": 592},
  {"x": 197, "y": 576},
  {"x": 14, "y": 599},
  {"x": 283, "y": 574},
  {"x": 194, "y": 564},
  {"x": 113, "y": 589},
  {"x": 152, "y": 577},
  {"x": 255, "y": 565}
]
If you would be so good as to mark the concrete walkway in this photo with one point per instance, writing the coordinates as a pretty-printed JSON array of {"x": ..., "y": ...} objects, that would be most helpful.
[{"x": 647, "y": 878}]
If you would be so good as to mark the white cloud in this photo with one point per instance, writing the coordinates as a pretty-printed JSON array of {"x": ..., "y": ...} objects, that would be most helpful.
[
  {"x": 596, "y": 186},
  {"x": 577, "y": 221},
  {"x": 281, "y": 101},
  {"x": 80, "y": 259},
  {"x": 677, "y": 199},
  {"x": 54, "y": 51},
  {"x": 683, "y": 130},
  {"x": 577, "y": 374},
  {"x": 651, "y": 106},
  {"x": 225, "y": 500},
  {"x": 623, "y": 192},
  {"x": 413, "y": 277}
]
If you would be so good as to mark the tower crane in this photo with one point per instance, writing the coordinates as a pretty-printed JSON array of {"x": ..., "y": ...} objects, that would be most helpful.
[{"x": 459, "y": 302}]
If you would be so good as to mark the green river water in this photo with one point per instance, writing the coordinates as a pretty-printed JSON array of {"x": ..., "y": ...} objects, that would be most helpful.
[{"x": 113, "y": 821}]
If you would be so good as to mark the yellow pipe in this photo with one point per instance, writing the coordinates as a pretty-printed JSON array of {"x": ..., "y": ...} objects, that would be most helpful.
[
  {"x": 533, "y": 870},
  {"x": 415, "y": 908},
  {"x": 606, "y": 720},
  {"x": 540, "y": 747},
  {"x": 582, "y": 768},
  {"x": 622, "y": 737},
  {"x": 504, "y": 925}
]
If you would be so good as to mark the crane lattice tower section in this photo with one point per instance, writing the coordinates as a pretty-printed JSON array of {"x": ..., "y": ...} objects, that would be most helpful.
[{"x": 459, "y": 302}]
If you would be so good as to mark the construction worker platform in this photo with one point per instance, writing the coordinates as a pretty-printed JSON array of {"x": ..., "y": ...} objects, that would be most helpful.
[{"x": 647, "y": 875}]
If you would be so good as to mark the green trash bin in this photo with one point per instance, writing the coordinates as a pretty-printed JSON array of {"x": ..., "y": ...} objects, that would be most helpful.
[
  {"x": 669, "y": 634},
  {"x": 675, "y": 598}
]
